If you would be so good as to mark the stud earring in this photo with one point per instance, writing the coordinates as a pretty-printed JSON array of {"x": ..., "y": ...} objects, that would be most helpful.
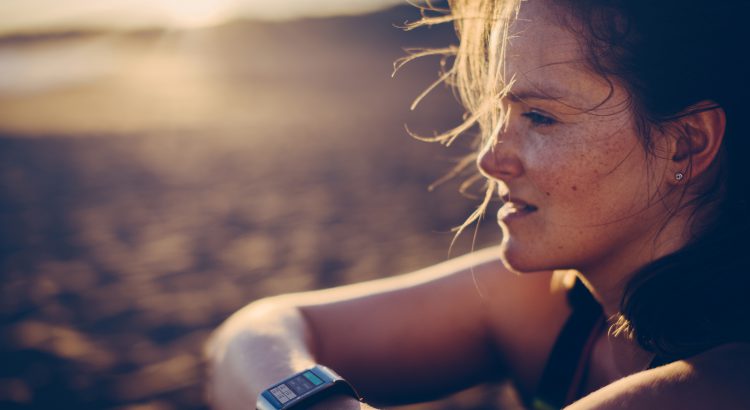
[{"x": 678, "y": 176}]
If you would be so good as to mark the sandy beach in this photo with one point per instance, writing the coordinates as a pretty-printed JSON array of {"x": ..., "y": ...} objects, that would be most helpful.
[{"x": 153, "y": 182}]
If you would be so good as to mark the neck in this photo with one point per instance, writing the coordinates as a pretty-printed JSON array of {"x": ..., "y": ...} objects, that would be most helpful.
[
  {"x": 608, "y": 277},
  {"x": 615, "y": 357}
]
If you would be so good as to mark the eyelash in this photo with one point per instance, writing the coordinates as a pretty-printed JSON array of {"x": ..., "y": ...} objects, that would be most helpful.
[{"x": 538, "y": 119}]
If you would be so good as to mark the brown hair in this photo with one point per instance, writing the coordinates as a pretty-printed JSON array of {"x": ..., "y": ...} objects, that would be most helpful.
[{"x": 677, "y": 58}]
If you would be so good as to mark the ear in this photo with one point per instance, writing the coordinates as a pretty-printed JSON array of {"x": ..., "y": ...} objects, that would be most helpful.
[{"x": 698, "y": 143}]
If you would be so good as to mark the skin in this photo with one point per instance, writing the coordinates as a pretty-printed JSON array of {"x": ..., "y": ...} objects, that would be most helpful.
[
  {"x": 600, "y": 198},
  {"x": 400, "y": 339}
]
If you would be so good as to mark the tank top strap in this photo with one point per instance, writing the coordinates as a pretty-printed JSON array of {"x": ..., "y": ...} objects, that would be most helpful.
[
  {"x": 659, "y": 361},
  {"x": 567, "y": 363}
]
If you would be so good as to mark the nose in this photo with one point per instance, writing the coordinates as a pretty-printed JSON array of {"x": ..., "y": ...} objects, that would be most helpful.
[{"x": 499, "y": 160}]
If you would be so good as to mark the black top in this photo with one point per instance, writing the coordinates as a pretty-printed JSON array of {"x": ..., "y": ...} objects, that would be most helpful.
[{"x": 564, "y": 374}]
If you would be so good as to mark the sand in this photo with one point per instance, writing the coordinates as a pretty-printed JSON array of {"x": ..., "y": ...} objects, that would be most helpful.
[{"x": 151, "y": 183}]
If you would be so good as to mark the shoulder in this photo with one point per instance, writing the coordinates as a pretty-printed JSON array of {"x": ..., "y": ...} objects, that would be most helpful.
[{"x": 717, "y": 378}]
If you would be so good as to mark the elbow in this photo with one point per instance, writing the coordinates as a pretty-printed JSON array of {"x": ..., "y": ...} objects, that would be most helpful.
[
  {"x": 251, "y": 342},
  {"x": 256, "y": 318}
]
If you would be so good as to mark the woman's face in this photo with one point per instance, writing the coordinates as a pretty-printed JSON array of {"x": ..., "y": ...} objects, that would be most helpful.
[{"x": 582, "y": 191}]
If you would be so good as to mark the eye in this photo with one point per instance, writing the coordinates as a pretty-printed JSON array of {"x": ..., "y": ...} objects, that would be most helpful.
[{"x": 539, "y": 119}]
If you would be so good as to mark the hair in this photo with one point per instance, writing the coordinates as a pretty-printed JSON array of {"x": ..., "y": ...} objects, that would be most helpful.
[{"x": 672, "y": 57}]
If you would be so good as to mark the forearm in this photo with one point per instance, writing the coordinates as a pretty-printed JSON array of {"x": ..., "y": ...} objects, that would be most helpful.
[
  {"x": 259, "y": 345},
  {"x": 382, "y": 335}
]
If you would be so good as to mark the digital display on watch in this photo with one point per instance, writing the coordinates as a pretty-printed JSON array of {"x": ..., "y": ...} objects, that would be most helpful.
[
  {"x": 298, "y": 385},
  {"x": 304, "y": 387}
]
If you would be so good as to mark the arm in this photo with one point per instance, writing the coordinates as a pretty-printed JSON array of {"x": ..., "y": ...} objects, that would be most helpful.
[
  {"x": 261, "y": 344},
  {"x": 716, "y": 379},
  {"x": 402, "y": 339}
]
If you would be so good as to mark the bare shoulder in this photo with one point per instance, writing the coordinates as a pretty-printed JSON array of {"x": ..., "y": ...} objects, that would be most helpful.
[{"x": 715, "y": 379}]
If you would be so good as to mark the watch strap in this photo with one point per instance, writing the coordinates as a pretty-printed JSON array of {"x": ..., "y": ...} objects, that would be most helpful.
[{"x": 330, "y": 383}]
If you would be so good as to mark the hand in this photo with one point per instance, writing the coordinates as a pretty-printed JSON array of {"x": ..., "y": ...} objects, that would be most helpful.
[{"x": 341, "y": 402}]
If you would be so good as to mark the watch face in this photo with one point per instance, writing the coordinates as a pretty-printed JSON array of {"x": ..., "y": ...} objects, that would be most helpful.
[{"x": 297, "y": 386}]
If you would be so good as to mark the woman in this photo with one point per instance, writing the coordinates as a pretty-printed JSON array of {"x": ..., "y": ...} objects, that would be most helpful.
[{"x": 613, "y": 132}]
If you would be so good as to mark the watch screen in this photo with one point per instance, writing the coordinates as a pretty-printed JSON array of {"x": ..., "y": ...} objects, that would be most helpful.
[{"x": 296, "y": 386}]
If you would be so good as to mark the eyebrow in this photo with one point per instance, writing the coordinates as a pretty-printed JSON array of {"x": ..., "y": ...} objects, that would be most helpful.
[
  {"x": 540, "y": 92},
  {"x": 535, "y": 95}
]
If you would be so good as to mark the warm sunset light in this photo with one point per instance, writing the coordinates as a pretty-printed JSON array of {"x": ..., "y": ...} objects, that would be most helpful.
[
  {"x": 34, "y": 15},
  {"x": 196, "y": 13},
  {"x": 152, "y": 181}
]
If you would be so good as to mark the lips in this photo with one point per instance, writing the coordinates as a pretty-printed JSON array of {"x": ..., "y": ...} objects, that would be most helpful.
[
  {"x": 524, "y": 206},
  {"x": 521, "y": 205},
  {"x": 515, "y": 208}
]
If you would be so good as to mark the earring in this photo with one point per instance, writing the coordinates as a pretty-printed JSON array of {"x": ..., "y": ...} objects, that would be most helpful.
[{"x": 678, "y": 176}]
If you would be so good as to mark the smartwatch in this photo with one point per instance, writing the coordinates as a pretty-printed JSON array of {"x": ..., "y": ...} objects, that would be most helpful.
[{"x": 306, "y": 387}]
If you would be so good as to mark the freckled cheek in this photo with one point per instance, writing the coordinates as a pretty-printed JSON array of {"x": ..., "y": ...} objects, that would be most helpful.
[
  {"x": 559, "y": 176},
  {"x": 574, "y": 190}
]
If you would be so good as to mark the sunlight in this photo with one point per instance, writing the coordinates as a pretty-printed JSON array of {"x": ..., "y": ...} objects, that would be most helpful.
[
  {"x": 49, "y": 15},
  {"x": 196, "y": 13}
]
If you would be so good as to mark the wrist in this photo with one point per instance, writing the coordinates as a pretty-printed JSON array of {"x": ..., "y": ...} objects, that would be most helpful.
[
  {"x": 337, "y": 402},
  {"x": 308, "y": 388}
]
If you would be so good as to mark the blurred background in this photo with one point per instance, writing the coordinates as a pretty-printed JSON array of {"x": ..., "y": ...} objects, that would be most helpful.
[{"x": 163, "y": 163}]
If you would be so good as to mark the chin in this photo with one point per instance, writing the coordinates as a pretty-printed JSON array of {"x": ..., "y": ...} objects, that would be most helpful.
[
  {"x": 512, "y": 259},
  {"x": 521, "y": 261}
]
